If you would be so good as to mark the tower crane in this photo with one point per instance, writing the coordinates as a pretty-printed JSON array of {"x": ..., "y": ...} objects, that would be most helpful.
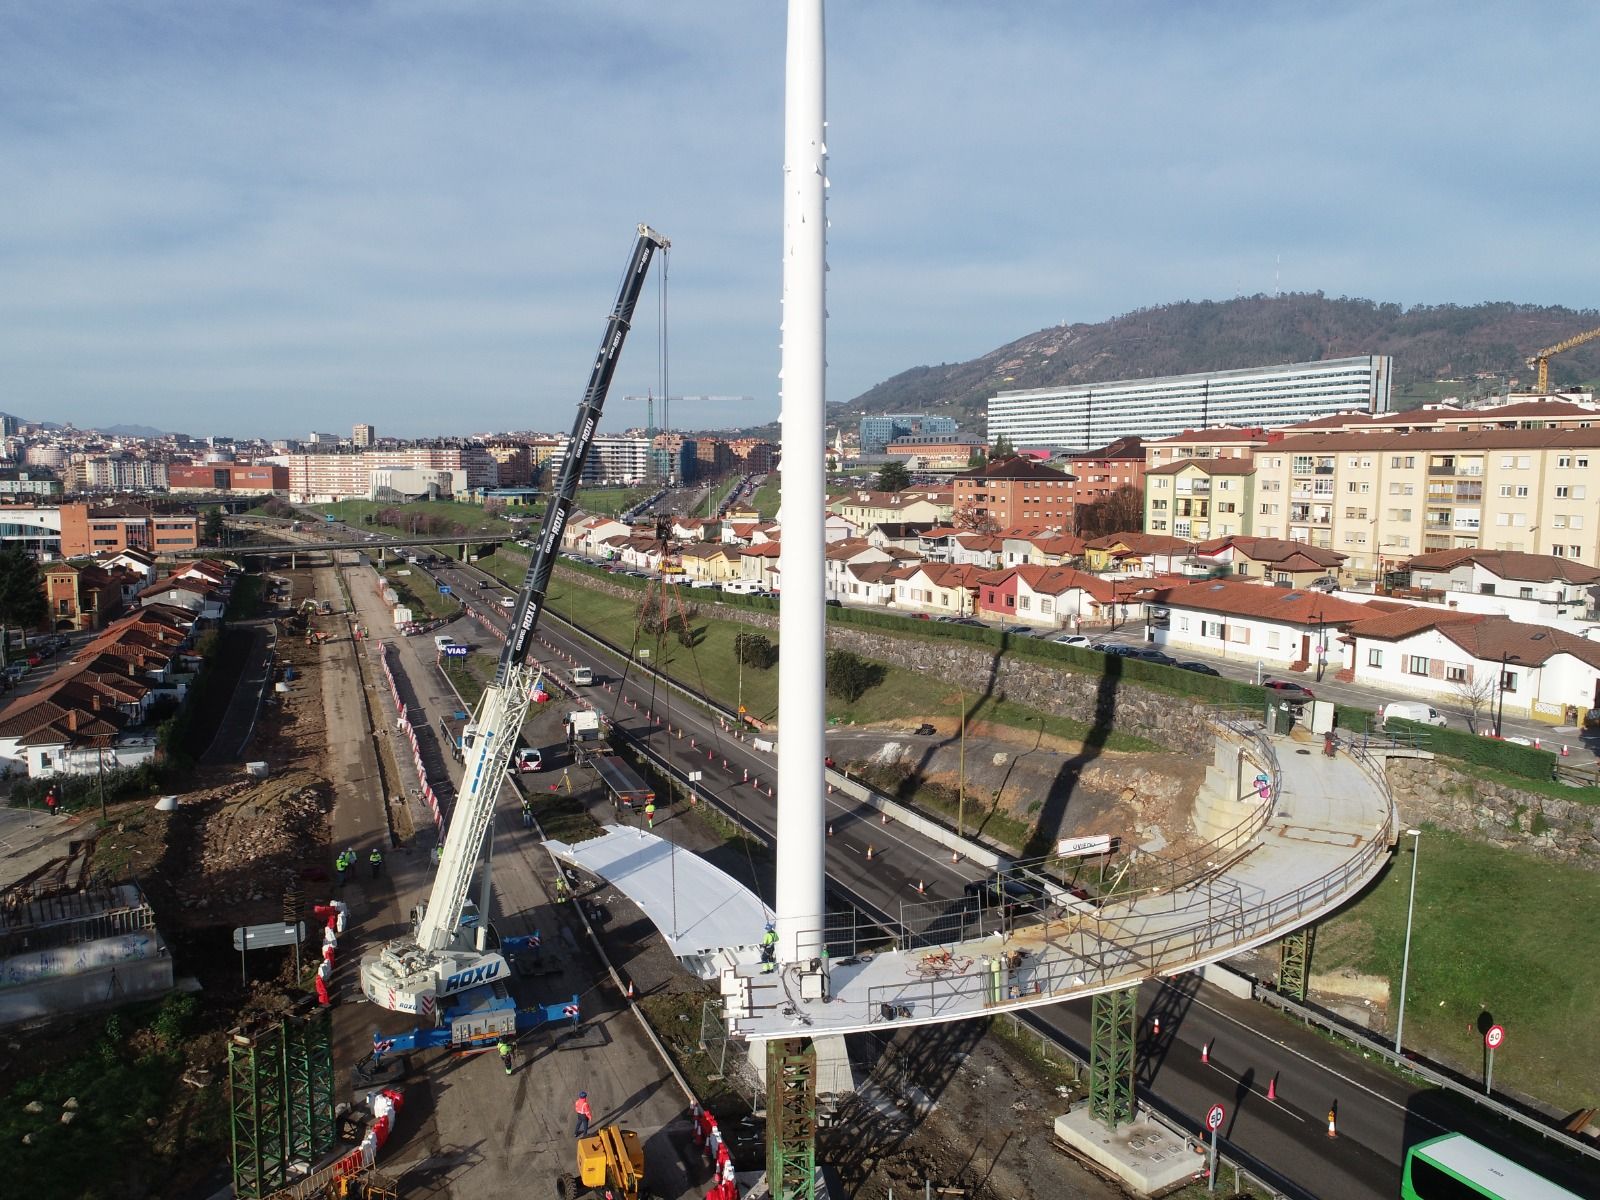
[
  {"x": 443, "y": 958},
  {"x": 1540, "y": 361}
]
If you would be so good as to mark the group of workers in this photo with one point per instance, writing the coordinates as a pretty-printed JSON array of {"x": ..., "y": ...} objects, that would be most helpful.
[{"x": 348, "y": 858}]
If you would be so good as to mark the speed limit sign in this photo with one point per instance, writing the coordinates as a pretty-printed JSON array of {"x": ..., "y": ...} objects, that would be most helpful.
[
  {"x": 1214, "y": 1117},
  {"x": 1494, "y": 1037}
]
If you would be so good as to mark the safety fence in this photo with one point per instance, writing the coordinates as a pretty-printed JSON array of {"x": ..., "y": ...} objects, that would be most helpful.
[{"x": 439, "y": 808}]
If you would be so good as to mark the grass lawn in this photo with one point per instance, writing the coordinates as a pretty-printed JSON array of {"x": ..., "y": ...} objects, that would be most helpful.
[
  {"x": 711, "y": 668},
  {"x": 1498, "y": 932},
  {"x": 609, "y": 502},
  {"x": 419, "y": 592},
  {"x": 470, "y": 518},
  {"x": 765, "y": 498},
  {"x": 471, "y": 675}
]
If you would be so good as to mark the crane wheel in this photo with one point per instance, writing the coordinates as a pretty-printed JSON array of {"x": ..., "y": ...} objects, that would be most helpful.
[{"x": 569, "y": 1188}]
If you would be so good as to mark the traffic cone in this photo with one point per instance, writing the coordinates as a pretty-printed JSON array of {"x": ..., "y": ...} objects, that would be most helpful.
[
  {"x": 1333, "y": 1129},
  {"x": 883, "y": 818},
  {"x": 1205, "y": 1052},
  {"x": 630, "y": 989},
  {"x": 1155, "y": 1026},
  {"x": 1564, "y": 750},
  {"x": 1272, "y": 1089},
  {"x": 921, "y": 891},
  {"x": 954, "y": 857},
  {"x": 869, "y": 852},
  {"x": 830, "y": 829}
]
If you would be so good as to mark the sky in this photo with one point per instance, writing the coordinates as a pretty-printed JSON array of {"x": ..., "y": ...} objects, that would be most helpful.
[{"x": 251, "y": 219}]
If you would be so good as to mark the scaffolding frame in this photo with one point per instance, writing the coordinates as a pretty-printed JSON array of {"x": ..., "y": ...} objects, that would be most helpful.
[
  {"x": 1112, "y": 1057},
  {"x": 308, "y": 1073},
  {"x": 792, "y": 1119},
  {"x": 1294, "y": 966},
  {"x": 257, "y": 1100}
]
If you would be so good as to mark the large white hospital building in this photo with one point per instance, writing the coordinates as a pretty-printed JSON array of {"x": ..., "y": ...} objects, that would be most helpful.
[{"x": 1081, "y": 418}]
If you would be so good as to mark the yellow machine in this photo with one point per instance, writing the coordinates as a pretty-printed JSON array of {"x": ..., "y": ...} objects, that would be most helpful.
[{"x": 610, "y": 1157}]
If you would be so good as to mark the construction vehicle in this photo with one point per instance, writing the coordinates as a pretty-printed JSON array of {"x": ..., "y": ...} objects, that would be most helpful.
[
  {"x": 441, "y": 959},
  {"x": 1540, "y": 361},
  {"x": 586, "y": 735},
  {"x": 476, "y": 1023},
  {"x": 612, "y": 1158},
  {"x": 622, "y": 782}
]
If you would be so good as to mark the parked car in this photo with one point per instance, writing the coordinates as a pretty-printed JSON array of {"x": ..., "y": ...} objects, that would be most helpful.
[
  {"x": 1117, "y": 648},
  {"x": 1151, "y": 655},
  {"x": 1199, "y": 668},
  {"x": 1325, "y": 583},
  {"x": 1288, "y": 689},
  {"x": 508, "y": 601},
  {"x": 968, "y": 621},
  {"x": 1018, "y": 630},
  {"x": 1411, "y": 710},
  {"x": 926, "y": 730},
  {"x": 1072, "y": 639},
  {"x": 529, "y": 758}
]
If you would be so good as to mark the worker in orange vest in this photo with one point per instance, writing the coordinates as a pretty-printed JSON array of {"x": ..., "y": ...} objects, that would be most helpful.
[{"x": 581, "y": 1107}]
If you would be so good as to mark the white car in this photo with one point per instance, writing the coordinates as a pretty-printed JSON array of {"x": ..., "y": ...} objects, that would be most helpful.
[
  {"x": 508, "y": 601},
  {"x": 1072, "y": 639}
]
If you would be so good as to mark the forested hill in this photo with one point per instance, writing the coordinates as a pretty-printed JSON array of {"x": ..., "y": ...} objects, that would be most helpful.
[{"x": 1428, "y": 343}]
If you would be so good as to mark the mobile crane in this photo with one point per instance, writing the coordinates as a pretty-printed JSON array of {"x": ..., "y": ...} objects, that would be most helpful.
[{"x": 445, "y": 957}]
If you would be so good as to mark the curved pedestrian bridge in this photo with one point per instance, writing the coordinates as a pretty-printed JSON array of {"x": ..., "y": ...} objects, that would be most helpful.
[{"x": 1296, "y": 833}]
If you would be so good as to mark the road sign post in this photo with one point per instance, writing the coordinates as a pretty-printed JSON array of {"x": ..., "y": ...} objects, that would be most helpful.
[
  {"x": 1491, "y": 1040},
  {"x": 262, "y": 937},
  {"x": 1214, "y": 1119}
]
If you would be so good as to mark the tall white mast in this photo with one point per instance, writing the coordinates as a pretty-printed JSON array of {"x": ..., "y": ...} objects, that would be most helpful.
[{"x": 801, "y": 715}]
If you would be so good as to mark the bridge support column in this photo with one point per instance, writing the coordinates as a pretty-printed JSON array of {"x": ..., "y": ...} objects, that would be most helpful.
[
  {"x": 308, "y": 1061},
  {"x": 1111, "y": 1057},
  {"x": 792, "y": 1119},
  {"x": 1294, "y": 968},
  {"x": 256, "y": 1089}
]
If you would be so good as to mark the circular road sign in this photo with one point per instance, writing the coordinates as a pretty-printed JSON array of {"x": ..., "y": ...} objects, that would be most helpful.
[
  {"x": 1214, "y": 1117},
  {"x": 1494, "y": 1037}
]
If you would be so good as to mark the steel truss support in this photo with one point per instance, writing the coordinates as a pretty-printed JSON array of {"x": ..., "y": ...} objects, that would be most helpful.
[
  {"x": 792, "y": 1119},
  {"x": 1111, "y": 1057},
  {"x": 308, "y": 1073},
  {"x": 256, "y": 1093},
  {"x": 1294, "y": 970}
]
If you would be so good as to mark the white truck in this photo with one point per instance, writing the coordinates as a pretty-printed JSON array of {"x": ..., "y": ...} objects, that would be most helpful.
[{"x": 586, "y": 735}]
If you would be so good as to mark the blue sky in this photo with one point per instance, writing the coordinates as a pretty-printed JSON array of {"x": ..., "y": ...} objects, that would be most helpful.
[{"x": 249, "y": 218}]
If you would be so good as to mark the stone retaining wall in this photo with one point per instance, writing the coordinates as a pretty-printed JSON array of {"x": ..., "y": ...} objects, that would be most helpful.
[{"x": 1436, "y": 793}]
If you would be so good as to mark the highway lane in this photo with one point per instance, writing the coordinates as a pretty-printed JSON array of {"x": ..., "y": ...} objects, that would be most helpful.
[{"x": 1378, "y": 1113}]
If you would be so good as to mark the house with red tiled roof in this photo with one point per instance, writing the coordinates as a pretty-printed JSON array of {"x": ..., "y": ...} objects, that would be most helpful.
[
  {"x": 201, "y": 598},
  {"x": 588, "y": 534},
  {"x": 1063, "y": 597},
  {"x": 1479, "y": 661},
  {"x": 1048, "y": 549},
  {"x": 870, "y": 585},
  {"x": 1513, "y": 583},
  {"x": 1137, "y": 553},
  {"x": 938, "y": 589},
  {"x": 1283, "y": 628},
  {"x": 1270, "y": 560},
  {"x": 986, "y": 550},
  {"x": 80, "y": 595},
  {"x": 759, "y": 561},
  {"x": 710, "y": 561},
  {"x": 1200, "y": 498}
]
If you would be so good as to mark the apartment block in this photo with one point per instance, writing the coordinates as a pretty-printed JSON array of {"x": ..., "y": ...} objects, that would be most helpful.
[
  {"x": 1201, "y": 498},
  {"x": 227, "y": 477},
  {"x": 108, "y": 529},
  {"x": 341, "y": 476},
  {"x": 1382, "y": 498}
]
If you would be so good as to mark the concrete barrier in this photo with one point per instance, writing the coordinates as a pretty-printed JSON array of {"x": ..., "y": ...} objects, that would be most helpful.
[{"x": 929, "y": 828}]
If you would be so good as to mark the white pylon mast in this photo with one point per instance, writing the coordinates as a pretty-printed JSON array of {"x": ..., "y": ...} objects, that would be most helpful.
[{"x": 801, "y": 715}]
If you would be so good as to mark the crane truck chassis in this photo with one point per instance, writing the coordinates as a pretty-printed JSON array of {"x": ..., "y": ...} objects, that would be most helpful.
[{"x": 442, "y": 958}]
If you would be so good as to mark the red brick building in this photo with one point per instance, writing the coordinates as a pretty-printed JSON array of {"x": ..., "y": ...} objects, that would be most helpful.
[
  {"x": 1017, "y": 495},
  {"x": 86, "y": 532},
  {"x": 227, "y": 477},
  {"x": 80, "y": 597},
  {"x": 1098, "y": 473}
]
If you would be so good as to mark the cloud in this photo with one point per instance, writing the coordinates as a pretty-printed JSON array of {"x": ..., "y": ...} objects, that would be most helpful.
[{"x": 241, "y": 219}]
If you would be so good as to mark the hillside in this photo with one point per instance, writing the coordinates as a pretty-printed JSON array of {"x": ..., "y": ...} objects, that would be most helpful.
[{"x": 1428, "y": 342}]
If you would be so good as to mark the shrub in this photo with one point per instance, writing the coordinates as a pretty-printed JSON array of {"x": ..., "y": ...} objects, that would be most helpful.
[
  {"x": 755, "y": 650},
  {"x": 1526, "y": 762},
  {"x": 850, "y": 676}
]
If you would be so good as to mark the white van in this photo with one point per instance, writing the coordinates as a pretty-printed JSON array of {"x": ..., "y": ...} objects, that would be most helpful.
[
  {"x": 1412, "y": 710},
  {"x": 582, "y": 676},
  {"x": 442, "y": 640},
  {"x": 508, "y": 601}
]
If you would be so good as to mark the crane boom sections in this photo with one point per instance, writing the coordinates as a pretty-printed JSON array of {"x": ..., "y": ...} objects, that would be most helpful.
[
  {"x": 1541, "y": 359},
  {"x": 411, "y": 974}
]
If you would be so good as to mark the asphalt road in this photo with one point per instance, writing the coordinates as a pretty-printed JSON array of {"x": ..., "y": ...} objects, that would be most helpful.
[{"x": 1378, "y": 1113}]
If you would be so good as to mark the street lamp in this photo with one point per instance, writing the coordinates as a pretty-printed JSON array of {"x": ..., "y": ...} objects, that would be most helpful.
[
  {"x": 1405, "y": 960},
  {"x": 1500, "y": 708}
]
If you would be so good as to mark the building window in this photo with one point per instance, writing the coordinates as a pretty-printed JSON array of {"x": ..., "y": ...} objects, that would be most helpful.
[
  {"x": 1416, "y": 664},
  {"x": 1508, "y": 681},
  {"x": 1374, "y": 657},
  {"x": 1455, "y": 674},
  {"x": 1211, "y": 629}
]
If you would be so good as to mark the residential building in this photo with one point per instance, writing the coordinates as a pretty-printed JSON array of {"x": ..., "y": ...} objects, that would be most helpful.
[
  {"x": 1270, "y": 560},
  {"x": 1079, "y": 417},
  {"x": 411, "y": 483},
  {"x": 938, "y": 589},
  {"x": 1200, "y": 498},
  {"x": 1097, "y": 474},
  {"x": 1055, "y": 597},
  {"x": 80, "y": 596},
  {"x": 1526, "y": 587},
  {"x": 1281, "y": 628},
  {"x": 754, "y": 456},
  {"x": 364, "y": 437},
  {"x": 24, "y": 483},
  {"x": 319, "y": 478},
  {"x": 1383, "y": 497},
  {"x": 1221, "y": 443},
  {"x": 1519, "y": 412},
  {"x": 86, "y": 531},
  {"x": 877, "y": 432},
  {"x": 227, "y": 477},
  {"x": 612, "y": 461},
  {"x": 1137, "y": 553},
  {"x": 914, "y": 505},
  {"x": 123, "y": 473},
  {"x": 1017, "y": 495},
  {"x": 1482, "y": 662},
  {"x": 36, "y": 530},
  {"x": 513, "y": 463}
]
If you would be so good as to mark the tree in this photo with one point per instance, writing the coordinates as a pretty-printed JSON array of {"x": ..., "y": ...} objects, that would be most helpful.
[
  {"x": 1121, "y": 511},
  {"x": 893, "y": 477},
  {"x": 1476, "y": 694},
  {"x": 850, "y": 676},
  {"x": 22, "y": 599},
  {"x": 215, "y": 531},
  {"x": 968, "y": 519},
  {"x": 755, "y": 650},
  {"x": 1001, "y": 448},
  {"x": 977, "y": 459}
]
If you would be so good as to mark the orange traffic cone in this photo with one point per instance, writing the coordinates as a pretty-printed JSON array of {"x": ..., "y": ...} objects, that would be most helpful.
[
  {"x": 630, "y": 989},
  {"x": 954, "y": 857},
  {"x": 1272, "y": 1089},
  {"x": 921, "y": 891},
  {"x": 830, "y": 830},
  {"x": 869, "y": 852},
  {"x": 1205, "y": 1052},
  {"x": 1155, "y": 1026},
  {"x": 883, "y": 818},
  {"x": 1333, "y": 1130}
]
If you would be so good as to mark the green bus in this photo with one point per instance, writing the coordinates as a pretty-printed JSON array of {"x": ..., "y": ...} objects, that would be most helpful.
[{"x": 1454, "y": 1167}]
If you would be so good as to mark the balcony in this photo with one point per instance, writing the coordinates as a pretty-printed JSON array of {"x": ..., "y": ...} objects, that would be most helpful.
[
  {"x": 1445, "y": 469},
  {"x": 1194, "y": 487}
]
